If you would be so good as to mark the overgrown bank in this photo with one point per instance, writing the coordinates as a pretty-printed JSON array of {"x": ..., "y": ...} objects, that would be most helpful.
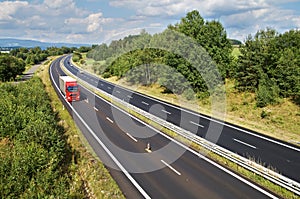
[
  {"x": 36, "y": 159},
  {"x": 41, "y": 152}
]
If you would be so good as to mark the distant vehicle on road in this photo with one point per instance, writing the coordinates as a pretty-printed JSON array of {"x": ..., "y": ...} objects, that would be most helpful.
[{"x": 69, "y": 88}]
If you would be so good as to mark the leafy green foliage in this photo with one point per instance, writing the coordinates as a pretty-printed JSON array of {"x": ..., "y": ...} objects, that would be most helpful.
[
  {"x": 76, "y": 56},
  {"x": 267, "y": 93},
  {"x": 211, "y": 35},
  {"x": 137, "y": 50},
  {"x": 33, "y": 149},
  {"x": 268, "y": 62},
  {"x": 10, "y": 67},
  {"x": 13, "y": 64},
  {"x": 269, "y": 56}
]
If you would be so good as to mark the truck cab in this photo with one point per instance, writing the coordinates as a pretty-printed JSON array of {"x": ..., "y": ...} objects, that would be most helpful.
[{"x": 69, "y": 88}]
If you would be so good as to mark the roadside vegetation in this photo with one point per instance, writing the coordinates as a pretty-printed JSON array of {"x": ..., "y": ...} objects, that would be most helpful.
[
  {"x": 43, "y": 154},
  {"x": 14, "y": 63},
  {"x": 36, "y": 160},
  {"x": 261, "y": 76}
]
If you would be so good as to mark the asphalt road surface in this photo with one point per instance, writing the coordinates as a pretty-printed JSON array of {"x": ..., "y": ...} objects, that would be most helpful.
[
  {"x": 272, "y": 153},
  {"x": 170, "y": 171}
]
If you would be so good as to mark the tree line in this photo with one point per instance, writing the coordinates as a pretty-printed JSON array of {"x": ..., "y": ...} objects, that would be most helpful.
[
  {"x": 35, "y": 156},
  {"x": 14, "y": 63},
  {"x": 268, "y": 64},
  {"x": 185, "y": 78}
]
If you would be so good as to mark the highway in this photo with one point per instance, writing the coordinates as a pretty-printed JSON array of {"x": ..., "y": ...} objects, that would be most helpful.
[
  {"x": 171, "y": 170},
  {"x": 281, "y": 156}
]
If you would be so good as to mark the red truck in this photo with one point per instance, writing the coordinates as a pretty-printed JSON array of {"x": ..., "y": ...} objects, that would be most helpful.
[{"x": 69, "y": 88}]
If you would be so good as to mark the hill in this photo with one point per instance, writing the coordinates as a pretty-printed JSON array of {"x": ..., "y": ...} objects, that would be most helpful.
[{"x": 10, "y": 43}]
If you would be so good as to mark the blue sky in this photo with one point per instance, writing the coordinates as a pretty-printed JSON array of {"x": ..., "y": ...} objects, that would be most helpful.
[{"x": 97, "y": 21}]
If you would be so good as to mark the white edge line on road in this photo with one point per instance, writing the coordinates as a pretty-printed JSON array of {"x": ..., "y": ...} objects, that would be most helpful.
[
  {"x": 131, "y": 137},
  {"x": 170, "y": 167},
  {"x": 228, "y": 125},
  {"x": 197, "y": 124},
  {"x": 198, "y": 114},
  {"x": 109, "y": 120},
  {"x": 126, "y": 173},
  {"x": 244, "y": 143},
  {"x": 239, "y": 177},
  {"x": 199, "y": 155}
]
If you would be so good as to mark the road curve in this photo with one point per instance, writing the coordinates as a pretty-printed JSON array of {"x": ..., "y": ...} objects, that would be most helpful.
[
  {"x": 190, "y": 175},
  {"x": 281, "y": 156}
]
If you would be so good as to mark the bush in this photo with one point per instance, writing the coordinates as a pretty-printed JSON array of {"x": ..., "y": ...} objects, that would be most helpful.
[
  {"x": 267, "y": 93},
  {"x": 34, "y": 156},
  {"x": 189, "y": 94},
  {"x": 264, "y": 114}
]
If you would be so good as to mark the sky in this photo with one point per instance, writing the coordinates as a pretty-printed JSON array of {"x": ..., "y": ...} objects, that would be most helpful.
[{"x": 100, "y": 21}]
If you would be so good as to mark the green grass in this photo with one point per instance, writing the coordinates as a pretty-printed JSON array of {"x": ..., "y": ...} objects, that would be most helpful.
[
  {"x": 90, "y": 172},
  {"x": 236, "y": 52}
]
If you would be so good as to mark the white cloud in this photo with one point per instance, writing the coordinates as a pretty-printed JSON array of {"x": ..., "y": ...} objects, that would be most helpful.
[
  {"x": 92, "y": 23},
  {"x": 59, "y": 3},
  {"x": 9, "y": 8},
  {"x": 240, "y": 18},
  {"x": 69, "y": 20},
  {"x": 58, "y": 20}
]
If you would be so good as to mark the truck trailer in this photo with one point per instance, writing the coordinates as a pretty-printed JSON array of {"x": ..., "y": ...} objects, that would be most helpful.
[{"x": 69, "y": 88}]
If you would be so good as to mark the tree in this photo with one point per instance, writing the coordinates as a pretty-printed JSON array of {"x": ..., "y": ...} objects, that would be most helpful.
[
  {"x": 76, "y": 56},
  {"x": 211, "y": 35},
  {"x": 267, "y": 93},
  {"x": 10, "y": 67},
  {"x": 191, "y": 25},
  {"x": 258, "y": 57}
]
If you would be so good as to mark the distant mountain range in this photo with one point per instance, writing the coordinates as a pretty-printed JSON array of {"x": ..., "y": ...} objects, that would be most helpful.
[{"x": 17, "y": 43}]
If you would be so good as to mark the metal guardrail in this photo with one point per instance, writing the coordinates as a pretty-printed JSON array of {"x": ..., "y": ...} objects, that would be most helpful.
[{"x": 267, "y": 173}]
